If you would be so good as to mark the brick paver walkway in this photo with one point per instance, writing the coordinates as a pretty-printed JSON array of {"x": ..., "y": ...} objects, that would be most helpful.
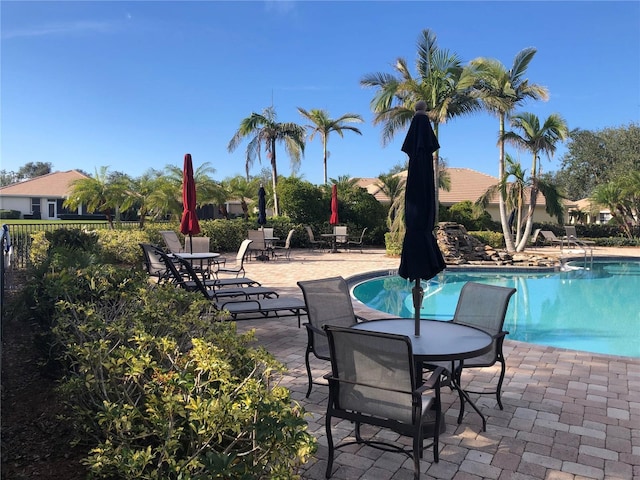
[{"x": 567, "y": 415}]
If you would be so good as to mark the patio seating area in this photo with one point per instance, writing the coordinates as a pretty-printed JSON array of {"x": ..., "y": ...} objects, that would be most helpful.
[{"x": 567, "y": 415}]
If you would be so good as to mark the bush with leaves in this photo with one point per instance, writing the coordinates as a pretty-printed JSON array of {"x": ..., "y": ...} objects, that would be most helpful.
[
  {"x": 162, "y": 390},
  {"x": 121, "y": 246}
]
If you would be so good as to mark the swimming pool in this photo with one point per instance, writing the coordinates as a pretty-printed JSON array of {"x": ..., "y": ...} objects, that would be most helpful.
[{"x": 594, "y": 310}]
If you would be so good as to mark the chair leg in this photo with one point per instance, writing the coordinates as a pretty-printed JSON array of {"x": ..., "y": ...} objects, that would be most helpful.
[
  {"x": 329, "y": 445},
  {"x": 306, "y": 361},
  {"x": 417, "y": 453},
  {"x": 503, "y": 367}
]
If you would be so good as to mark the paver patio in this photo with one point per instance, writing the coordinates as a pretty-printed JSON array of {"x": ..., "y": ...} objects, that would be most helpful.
[{"x": 567, "y": 415}]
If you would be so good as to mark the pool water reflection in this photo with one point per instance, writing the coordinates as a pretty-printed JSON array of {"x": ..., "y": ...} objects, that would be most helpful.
[{"x": 594, "y": 310}]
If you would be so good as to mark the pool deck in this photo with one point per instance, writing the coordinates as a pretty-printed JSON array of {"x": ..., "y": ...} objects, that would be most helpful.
[{"x": 567, "y": 415}]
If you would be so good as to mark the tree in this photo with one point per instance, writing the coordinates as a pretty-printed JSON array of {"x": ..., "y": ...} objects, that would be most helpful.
[
  {"x": 622, "y": 197},
  {"x": 596, "y": 157},
  {"x": 537, "y": 139},
  {"x": 99, "y": 194},
  {"x": 501, "y": 91},
  {"x": 323, "y": 126},
  {"x": 267, "y": 132},
  {"x": 33, "y": 169},
  {"x": 143, "y": 192},
  {"x": 241, "y": 188},
  {"x": 442, "y": 82},
  {"x": 392, "y": 186}
]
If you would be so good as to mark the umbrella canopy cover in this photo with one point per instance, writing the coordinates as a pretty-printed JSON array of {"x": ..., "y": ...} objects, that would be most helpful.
[
  {"x": 334, "y": 205},
  {"x": 421, "y": 258},
  {"x": 189, "y": 224},
  {"x": 262, "y": 206}
]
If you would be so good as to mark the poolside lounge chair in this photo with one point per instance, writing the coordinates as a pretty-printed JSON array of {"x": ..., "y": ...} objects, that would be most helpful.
[
  {"x": 485, "y": 307},
  {"x": 572, "y": 237},
  {"x": 373, "y": 381},
  {"x": 313, "y": 243},
  {"x": 191, "y": 281},
  {"x": 328, "y": 302},
  {"x": 357, "y": 243},
  {"x": 246, "y": 307},
  {"x": 550, "y": 238}
]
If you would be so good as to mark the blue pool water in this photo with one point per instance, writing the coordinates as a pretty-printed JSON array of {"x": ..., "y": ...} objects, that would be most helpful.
[{"x": 594, "y": 310}]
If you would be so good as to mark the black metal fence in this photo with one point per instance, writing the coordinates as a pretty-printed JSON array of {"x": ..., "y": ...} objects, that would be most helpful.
[{"x": 20, "y": 235}]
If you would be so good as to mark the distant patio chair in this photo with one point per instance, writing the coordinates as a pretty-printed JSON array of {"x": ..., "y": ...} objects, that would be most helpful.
[
  {"x": 202, "y": 245},
  {"x": 172, "y": 241},
  {"x": 357, "y": 243},
  {"x": 240, "y": 257},
  {"x": 258, "y": 246},
  {"x": 340, "y": 231},
  {"x": 313, "y": 243},
  {"x": 278, "y": 251}
]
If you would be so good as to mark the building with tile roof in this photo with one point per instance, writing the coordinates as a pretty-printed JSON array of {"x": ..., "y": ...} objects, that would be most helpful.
[
  {"x": 40, "y": 197},
  {"x": 466, "y": 184}
]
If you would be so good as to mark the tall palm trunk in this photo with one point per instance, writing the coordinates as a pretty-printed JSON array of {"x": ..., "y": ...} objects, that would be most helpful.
[
  {"x": 533, "y": 199},
  {"x": 324, "y": 149},
  {"x": 502, "y": 201},
  {"x": 274, "y": 178}
]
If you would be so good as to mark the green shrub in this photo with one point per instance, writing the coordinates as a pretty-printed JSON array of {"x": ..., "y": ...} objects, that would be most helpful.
[
  {"x": 393, "y": 244},
  {"x": 493, "y": 239},
  {"x": 122, "y": 246},
  {"x": 158, "y": 388},
  {"x": 10, "y": 214}
]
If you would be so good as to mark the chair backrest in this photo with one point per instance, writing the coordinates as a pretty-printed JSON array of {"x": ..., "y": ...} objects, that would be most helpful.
[
  {"x": 287, "y": 242},
  {"x": 267, "y": 232},
  {"x": 328, "y": 302},
  {"x": 375, "y": 372},
  {"x": 153, "y": 263},
  {"x": 362, "y": 234},
  {"x": 549, "y": 235},
  {"x": 485, "y": 307},
  {"x": 242, "y": 251},
  {"x": 534, "y": 237},
  {"x": 172, "y": 241},
  {"x": 173, "y": 274},
  {"x": 257, "y": 236},
  {"x": 200, "y": 244},
  {"x": 570, "y": 232},
  {"x": 310, "y": 233},
  {"x": 341, "y": 233}
]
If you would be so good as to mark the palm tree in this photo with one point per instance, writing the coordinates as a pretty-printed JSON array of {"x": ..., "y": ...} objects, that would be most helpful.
[
  {"x": 392, "y": 186},
  {"x": 537, "y": 139},
  {"x": 622, "y": 197},
  {"x": 99, "y": 193},
  {"x": 141, "y": 192},
  {"x": 267, "y": 131},
  {"x": 323, "y": 125},
  {"x": 242, "y": 188},
  {"x": 501, "y": 91},
  {"x": 442, "y": 82}
]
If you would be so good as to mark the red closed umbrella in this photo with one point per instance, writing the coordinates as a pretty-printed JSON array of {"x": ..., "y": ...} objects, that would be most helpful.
[
  {"x": 334, "y": 205},
  {"x": 189, "y": 224}
]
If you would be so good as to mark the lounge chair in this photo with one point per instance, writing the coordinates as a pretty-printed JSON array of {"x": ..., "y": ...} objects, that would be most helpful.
[
  {"x": 328, "y": 302},
  {"x": 357, "y": 243},
  {"x": 283, "y": 251},
  {"x": 373, "y": 381},
  {"x": 248, "y": 308},
  {"x": 572, "y": 237},
  {"x": 154, "y": 265},
  {"x": 484, "y": 307},
  {"x": 192, "y": 282},
  {"x": 313, "y": 243},
  {"x": 550, "y": 238}
]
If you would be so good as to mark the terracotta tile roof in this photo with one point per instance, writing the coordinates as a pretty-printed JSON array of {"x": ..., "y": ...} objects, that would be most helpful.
[
  {"x": 56, "y": 184},
  {"x": 372, "y": 185}
]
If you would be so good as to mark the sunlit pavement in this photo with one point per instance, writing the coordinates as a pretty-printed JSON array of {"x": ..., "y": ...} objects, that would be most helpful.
[{"x": 567, "y": 414}]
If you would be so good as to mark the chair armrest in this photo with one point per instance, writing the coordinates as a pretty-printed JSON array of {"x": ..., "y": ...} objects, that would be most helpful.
[
  {"x": 315, "y": 329},
  {"x": 433, "y": 381}
]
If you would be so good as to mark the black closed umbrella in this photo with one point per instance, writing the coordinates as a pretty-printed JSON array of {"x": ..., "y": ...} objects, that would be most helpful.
[
  {"x": 421, "y": 258},
  {"x": 262, "y": 206}
]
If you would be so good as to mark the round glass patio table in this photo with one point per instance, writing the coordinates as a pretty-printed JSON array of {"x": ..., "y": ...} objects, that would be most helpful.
[
  {"x": 201, "y": 257},
  {"x": 438, "y": 342}
]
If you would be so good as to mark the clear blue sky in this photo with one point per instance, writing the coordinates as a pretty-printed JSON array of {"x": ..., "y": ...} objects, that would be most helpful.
[{"x": 135, "y": 85}]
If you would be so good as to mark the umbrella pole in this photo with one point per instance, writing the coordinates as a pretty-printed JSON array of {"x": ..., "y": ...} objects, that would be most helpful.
[
  {"x": 191, "y": 243},
  {"x": 418, "y": 293}
]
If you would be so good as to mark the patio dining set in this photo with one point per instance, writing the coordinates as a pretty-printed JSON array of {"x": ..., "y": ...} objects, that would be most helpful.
[{"x": 381, "y": 372}]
